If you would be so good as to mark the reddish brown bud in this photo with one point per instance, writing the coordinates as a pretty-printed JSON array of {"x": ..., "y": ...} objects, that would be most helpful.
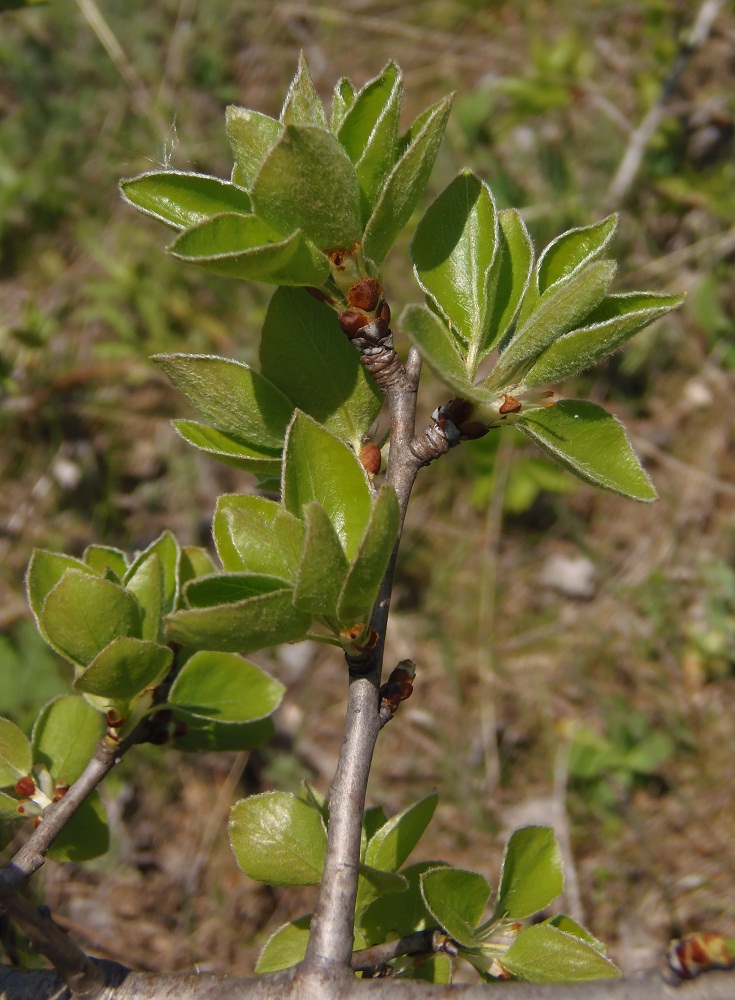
[
  {"x": 384, "y": 313},
  {"x": 509, "y": 405},
  {"x": 60, "y": 790},
  {"x": 365, "y": 294},
  {"x": 399, "y": 685},
  {"x": 370, "y": 458},
  {"x": 352, "y": 322},
  {"x": 458, "y": 410},
  {"x": 25, "y": 786},
  {"x": 473, "y": 429}
]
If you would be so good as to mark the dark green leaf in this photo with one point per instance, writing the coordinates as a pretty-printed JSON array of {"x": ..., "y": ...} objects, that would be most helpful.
[
  {"x": 83, "y": 613},
  {"x": 307, "y": 183},
  {"x": 85, "y": 836},
  {"x": 181, "y": 199},
  {"x": 398, "y": 913},
  {"x": 229, "y": 449},
  {"x": 251, "y": 136},
  {"x": 285, "y": 947},
  {"x": 65, "y": 737},
  {"x": 457, "y": 900},
  {"x": 201, "y": 734},
  {"x": 372, "y": 884},
  {"x": 389, "y": 848},
  {"x": 303, "y": 105},
  {"x": 406, "y": 182},
  {"x": 318, "y": 466},
  {"x": 613, "y": 322},
  {"x": 592, "y": 444},
  {"x": 278, "y": 839},
  {"x": 231, "y": 396},
  {"x": 15, "y": 753},
  {"x": 532, "y": 873},
  {"x": 243, "y": 246},
  {"x": 306, "y": 354},
  {"x": 257, "y": 535},
  {"x": 544, "y": 954}
]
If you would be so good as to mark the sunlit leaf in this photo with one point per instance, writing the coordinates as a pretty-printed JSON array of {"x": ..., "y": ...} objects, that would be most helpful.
[{"x": 181, "y": 199}]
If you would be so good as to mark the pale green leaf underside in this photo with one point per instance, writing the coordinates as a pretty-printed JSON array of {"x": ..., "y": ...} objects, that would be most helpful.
[{"x": 182, "y": 199}]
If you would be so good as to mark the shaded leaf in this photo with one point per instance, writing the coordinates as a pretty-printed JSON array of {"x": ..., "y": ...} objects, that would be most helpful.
[
  {"x": 101, "y": 558},
  {"x": 323, "y": 565},
  {"x": 343, "y": 97},
  {"x": 124, "y": 669},
  {"x": 365, "y": 575},
  {"x": 229, "y": 449},
  {"x": 391, "y": 845},
  {"x": 85, "y": 836},
  {"x": 226, "y": 688},
  {"x": 285, "y": 947},
  {"x": 509, "y": 278},
  {"x": 15, "y": 754},
  {"x": 65, "y": 736},
  {"x": 457, "y": 900}
]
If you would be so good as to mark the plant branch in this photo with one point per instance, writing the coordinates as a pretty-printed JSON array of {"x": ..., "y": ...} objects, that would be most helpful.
[
  {"x": 18, "y": 984},
  {"x": 85, "y": 978},
  {"x": 427, "y": 942},
  {"x": 332, "y": 928}
]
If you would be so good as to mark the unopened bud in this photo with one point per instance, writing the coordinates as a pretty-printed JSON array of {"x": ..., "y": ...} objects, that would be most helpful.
[
  {"x": 370, "y": 458},
  {"x": 25, "y": 786},
  {"x": 365, "y": 294}
]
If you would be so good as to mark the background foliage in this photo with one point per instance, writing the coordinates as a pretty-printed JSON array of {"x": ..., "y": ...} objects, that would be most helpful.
[{"x": 578, "y": 663}]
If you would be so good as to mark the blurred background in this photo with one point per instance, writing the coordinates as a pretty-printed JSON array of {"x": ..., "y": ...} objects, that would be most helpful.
[{"x": 575, "y": 650}]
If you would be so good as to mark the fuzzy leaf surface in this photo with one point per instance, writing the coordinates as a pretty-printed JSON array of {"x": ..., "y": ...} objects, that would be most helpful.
[
  {"x": 532, "y": 873},
  {"x": 457, "y": 900},
  {"x": 615, "y": 320},
  {"x": 362, "y": 581},
  {"x": 257, "y": 535},
  {"x": 305, "y": 353},
  {"x": 510, "y": 276},
  {"x": 323, "y": 565},
  {"x": 83, "y": 613},
  {"x": 389, "y": 848},
  {"x": 544, "y": 954},
  {"x": 181, "y": 200},
  {"x": 229, "y": 449},
  {"x": 452, "y": 253},
  {"x": 416, "y": 155},
  {"x": 251, "y": 135},
  {"x": 246, "y": 247},
  {"x": 303, "y": 105},
  {"x": 434, "y": 340},
  {"x": 398, "y": 913},
  {"x": 278, "y": 839},
  {"x": 318, "y": 466},
  {"x": 168, "y": 551},
  {"x": 124, "y": 669},
  {"x": 572, "y": 250},
  {"x": 231, "y": 396},
  {"x": 308, "y": 183},
  {"x": 65, "y": 736},
  {"x": 225, "y": 687},
  {"x": 100, "y": 558},
  {"x": 45, "y": 570},
  {"x": 591, "y": 443},
  {"x": 285, "y": 947}
]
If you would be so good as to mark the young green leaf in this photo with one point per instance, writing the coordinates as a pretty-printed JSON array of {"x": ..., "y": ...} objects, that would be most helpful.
[
  {"x": 265, "y": 619},
  {"x": 391, "y": 845},
  {"x": 509, "y": 277},
  {"x": 257, "y": 535},
  {"x": 146, "y": 584},
  {"x": 562, "y": 307},
  {"x": 532, "y": 873},
  {"x": 229, "y": 449},
  {"x": 545, "y": 954},
  {"x": 246, "y": 247},
  {"x": 65, "y": 736},
  {"x": 305, "y": 353},
  {"x": 592, "y": 444},
  {"x": 101, "y": 558},
  {"x": 226, "y": 688},
  {"x": 83, "y": 613},
  {"x": 318, "y": 466},
  {"x": 167, "y": 549},
  {"x": 369, "y": 132},
  {"x": 323, "y": 565},
  {"x": 251, "y": 136},
  {"x": 278, "y": 839},
  {"x": 440, "y": 349},
  {"x": 452, "y": 253},
  {"x": 608, "y": 326},
  {"x": 85, "y": 836},
  {"x": 362, "y": 582},
  {"x": 397, "y": 913},
  {"x": 195, "y": 561},
  {"x": 181, "y": 200},
  {"x": 231, "y": 396},
  {"x": 303, "y": 105},
  {"x": 45, "y": 570},
  {"x": 457, "y": 900},
  {"x": 285, "y": 947},
  {"x": 343, "y": 97},
  {"x": 123, "y": 670},
  {"x": 308, "y": 183},
  {"x": 416, "y": 155},
  {"x": 15, "y": 753},
  {"x": 372, "y": 884},
  {"x": 572, "y": 250}
]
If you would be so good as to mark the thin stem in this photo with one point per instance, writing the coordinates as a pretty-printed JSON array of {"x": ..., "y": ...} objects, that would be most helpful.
[{"x": 332, "y": 928}]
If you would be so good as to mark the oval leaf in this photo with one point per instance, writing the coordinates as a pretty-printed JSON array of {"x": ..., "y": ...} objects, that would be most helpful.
[
  {"x": 457, "y": 900},
  {"x": 225, "y": 687},
  {"x": 305, "y": 353},
  {"x": 544, "y": 954},
  {"x": 251, "y": 135},
  {"x": 182, "y": 199},
  {"x": 231, "y": 396},
  {"x": 45, "y": 570},
  {"x": 278, "y": 839},
  {"x": 285, "y": 947},
  {"x": 532, "y": 873},
  {"x": 124, "y": 669},
  {"x": 257, "y": 535},
  {"x": 65, "y": 736},
  {"x": 307, "y": 182},
  {"x": 510, "y": 276},
  {"x": 85, "y": 836},
  {"x": 15, "y": 753},
  {"x": 591, "y": 443},
  {"x": 573, "y": 250},
  {"x": 391, "y": 845}
]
